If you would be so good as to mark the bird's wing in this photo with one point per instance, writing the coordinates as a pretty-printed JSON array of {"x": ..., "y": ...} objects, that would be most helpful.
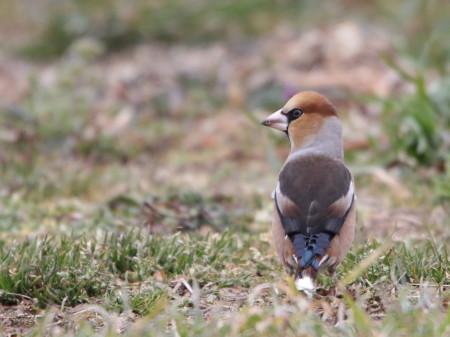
[{"x": 314, "y": 195}]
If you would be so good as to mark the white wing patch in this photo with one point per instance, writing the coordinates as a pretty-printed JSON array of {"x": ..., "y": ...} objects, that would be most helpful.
[
  {"x": 276, "y": 190},
  {"x": 323, "y": 259}
]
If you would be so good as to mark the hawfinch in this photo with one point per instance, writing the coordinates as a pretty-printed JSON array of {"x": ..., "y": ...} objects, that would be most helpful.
[{"x": 314, "y": 213}]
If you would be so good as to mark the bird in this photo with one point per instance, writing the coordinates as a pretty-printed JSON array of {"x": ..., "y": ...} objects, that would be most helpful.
[{"x": 313, "y": 222}]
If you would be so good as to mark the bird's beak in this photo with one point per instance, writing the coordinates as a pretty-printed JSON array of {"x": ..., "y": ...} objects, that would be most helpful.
[{"x": 277, "y": 120}]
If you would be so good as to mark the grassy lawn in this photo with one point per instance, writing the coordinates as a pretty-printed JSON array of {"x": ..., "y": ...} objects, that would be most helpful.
[{"x": 135, "y": 179}]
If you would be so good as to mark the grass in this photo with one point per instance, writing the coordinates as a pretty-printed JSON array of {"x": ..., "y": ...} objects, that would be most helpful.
[
  {"x": 134, "y": 258},
  {"x": 141, "y": 274},
  {"x": 74, "y": 269},
  {"x": 141, "y": 206}
]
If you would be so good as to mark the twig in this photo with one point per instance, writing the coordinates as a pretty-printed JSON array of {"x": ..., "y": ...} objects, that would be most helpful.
[
  {"x": 188, "y": 287},
  {"x": 177, "y": 286}
]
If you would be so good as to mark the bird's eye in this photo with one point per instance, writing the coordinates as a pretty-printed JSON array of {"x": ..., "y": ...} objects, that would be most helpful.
[
  {"x": 296, "y": 113},
  {"x": 293, "y": 114}
]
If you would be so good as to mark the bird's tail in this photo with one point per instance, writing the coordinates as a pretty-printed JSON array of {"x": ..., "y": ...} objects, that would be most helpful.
[
  {"x": 309, "y": 251},
  {"x": 306, "y": 278}
]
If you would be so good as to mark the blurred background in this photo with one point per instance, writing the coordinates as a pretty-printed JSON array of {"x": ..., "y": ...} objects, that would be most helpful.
[
  {"x": 146, "y": 113},
  {"x": 120, "y": 119}
]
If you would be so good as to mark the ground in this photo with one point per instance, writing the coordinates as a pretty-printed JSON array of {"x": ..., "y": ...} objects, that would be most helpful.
[{"x": 136, "y": 184}]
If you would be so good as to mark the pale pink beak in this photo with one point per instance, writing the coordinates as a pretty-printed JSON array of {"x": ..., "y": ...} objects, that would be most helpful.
[{"x": 278, "y": 120}]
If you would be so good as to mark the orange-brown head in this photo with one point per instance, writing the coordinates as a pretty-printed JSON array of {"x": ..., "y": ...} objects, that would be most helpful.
[{"x": 304, "y": 118}]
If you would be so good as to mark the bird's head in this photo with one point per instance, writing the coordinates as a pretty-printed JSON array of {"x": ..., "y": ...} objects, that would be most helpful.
[
  {"x": 304, "y": 115},
  {"x": 303, "y": 108}
]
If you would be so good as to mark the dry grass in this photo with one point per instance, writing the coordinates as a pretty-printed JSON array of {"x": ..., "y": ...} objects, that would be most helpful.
[{"x": 136, "y": 187}]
